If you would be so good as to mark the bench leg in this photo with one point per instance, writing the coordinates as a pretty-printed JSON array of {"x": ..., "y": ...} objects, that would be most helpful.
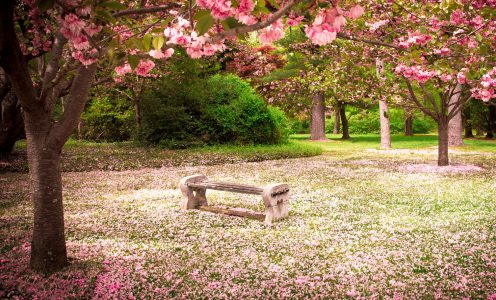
[
  {"x": 276, "y": 200},
  {"x": 192, "y": 199}
]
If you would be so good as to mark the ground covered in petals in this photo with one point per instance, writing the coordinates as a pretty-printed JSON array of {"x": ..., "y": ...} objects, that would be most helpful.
[{"x": 362, "y": 224}]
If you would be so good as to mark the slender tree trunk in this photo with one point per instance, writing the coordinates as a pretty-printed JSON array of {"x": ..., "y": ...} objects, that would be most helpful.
[
  {"x": 408, "y": 124},
  {"x": 491, "y": 122},
  {"x": 344, "y": 121},
  {"x": 383, "y": 110},
  {"x": 317, "y": 131},
  {"x": 443, "y": 139},
  {"x": 455, "y": 126},
  {"x": 467, "y": 121},
  {"x": 137, "y": 114},
  {"x": 385, "y": 128},
  {"x": 337, "y": 120}
]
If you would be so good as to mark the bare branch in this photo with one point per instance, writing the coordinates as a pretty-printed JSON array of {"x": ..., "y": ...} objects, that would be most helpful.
[{"x": 417, "y": 102}]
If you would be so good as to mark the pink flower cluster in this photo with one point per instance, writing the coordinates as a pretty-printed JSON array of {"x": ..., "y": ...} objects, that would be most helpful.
[
  {"x": 416, "y": 73},
  {"x": 77, "y": 32},
  {"x": 158, "y": 54},
  {"x": 272, "y": 33},
  {"x": 329, "y": 22},
  {"x": 486, "y": 90},
  {"x": 294, "y": 20},
  {"x": 222, "y": 9},
  {"x": 415, "y": 38}
]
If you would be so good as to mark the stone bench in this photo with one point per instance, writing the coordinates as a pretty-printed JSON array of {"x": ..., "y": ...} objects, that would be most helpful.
[{"x": 275, "y": 197}]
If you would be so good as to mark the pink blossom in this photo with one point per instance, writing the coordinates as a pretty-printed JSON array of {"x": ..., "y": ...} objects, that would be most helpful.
[
  {"x": 144, "y": 67},
  {"x": 71, "y": 26},
  {"x": 320, "y": 36},
  {"x": 272, "y": 33},
  {"x": 294, "y": 20},
  {"x": 92, "y": 29},
  {"x": 123, "y": 70},
  {"x": 356, "y": 12},
  {"x": 194, "y": 49},
  {"x": 245, "y": 6},
  {"x": 461, "y": 77}
]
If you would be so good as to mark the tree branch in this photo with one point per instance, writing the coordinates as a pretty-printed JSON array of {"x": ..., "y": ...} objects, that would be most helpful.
[
  {"x": 417, "y": 102},
  {"x": 53, "y": 64}
]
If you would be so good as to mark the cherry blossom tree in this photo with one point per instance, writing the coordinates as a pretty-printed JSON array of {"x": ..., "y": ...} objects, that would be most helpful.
[
  {"x": 73, "y": 38},
  {"x": 439, "y": 50}
]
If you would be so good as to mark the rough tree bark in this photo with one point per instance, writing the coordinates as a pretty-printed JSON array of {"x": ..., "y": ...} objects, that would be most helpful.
[
  {"x": 45, "y": 139},
  {"x": 383, "y": 110},
  {"x": 344, "y": 121},
  {"x": 467, "y": 121},
  {"x": 443, "y": 139},
  {"x": 337, "y": 121},
  {"x": 408, "y": 123},
  {"x": 317, "y": 127},
  {"x": 455, "y": 126}
]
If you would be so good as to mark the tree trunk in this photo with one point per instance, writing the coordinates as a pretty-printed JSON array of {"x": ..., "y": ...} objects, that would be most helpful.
[
  {"x": 443, "y": 140},
  {"x": 409, "y": 124},
  {"x": 317, "y": 131},
  {"x": 344, "y": 121},
  {"x": 491, "y": 122},
  {"x": 48, "y": 250},
  {"x": 467, "y": 121},
  {"x": 455, "y": 126},
  {"x": 337, "y": 120},
  {"x": 385, "y": 129},
  {"x": 383, "y": 109},
  {"x": 137, "y": 114},
  {"x": 11, "y": 122}
]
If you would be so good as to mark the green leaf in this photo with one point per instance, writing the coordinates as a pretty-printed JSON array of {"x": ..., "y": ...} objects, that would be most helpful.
[
  {"x": 146, "y": 41},
  {"x": 113, "y": 5},
  {"x": 133, "y": 61},
  {"x": 274, "y": 3},
  {"x": 44, "y": 4},
  {"x": 204, "y": 23},
  {"x": 230, "y": 23},
  {"x": 158, "y": 42}
]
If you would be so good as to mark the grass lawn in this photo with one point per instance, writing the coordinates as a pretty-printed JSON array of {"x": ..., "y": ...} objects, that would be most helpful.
[{"x": 363, "y": 223}]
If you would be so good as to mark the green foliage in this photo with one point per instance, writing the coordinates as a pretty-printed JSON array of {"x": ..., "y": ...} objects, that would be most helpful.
[
  {"x": 108, "y": 119},
  {"x": 300, "y": 126},
  {"x": 367, "y": 121},
  {"x": 222, "y": 109}
]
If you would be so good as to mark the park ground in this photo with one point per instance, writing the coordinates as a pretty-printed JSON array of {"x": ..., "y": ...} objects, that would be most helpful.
[{"x": 363, "y": 223}]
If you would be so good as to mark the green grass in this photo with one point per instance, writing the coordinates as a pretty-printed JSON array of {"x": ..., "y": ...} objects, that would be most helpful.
[
  {"x": 398, "y": 141},
  {"x": 85, "y": 156}
]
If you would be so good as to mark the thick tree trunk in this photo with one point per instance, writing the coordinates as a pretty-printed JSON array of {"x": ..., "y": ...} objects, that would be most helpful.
[
  {"x": 467, "y": 121},
  {"x": 385, "y": 129},
  {"x": 383, "y": 110},
  {"x": 317, "y": 130},
  {"x": 443, "y": 140},
  {"x": 491, "y": 122},
  {"x": 337, "y": 121},
  {"x": 11, "y": 123},
  {"x": 455, "y": 126},
  {"x": 344, "y": 121},
  {"x": 408, "y": 125},
  {"x": 48, "y": 250}
]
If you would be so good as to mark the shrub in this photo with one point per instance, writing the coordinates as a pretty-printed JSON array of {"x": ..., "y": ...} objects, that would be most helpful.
[
  {"x": 219, "y": 110},
  {"x": 108, "y": 119}
]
